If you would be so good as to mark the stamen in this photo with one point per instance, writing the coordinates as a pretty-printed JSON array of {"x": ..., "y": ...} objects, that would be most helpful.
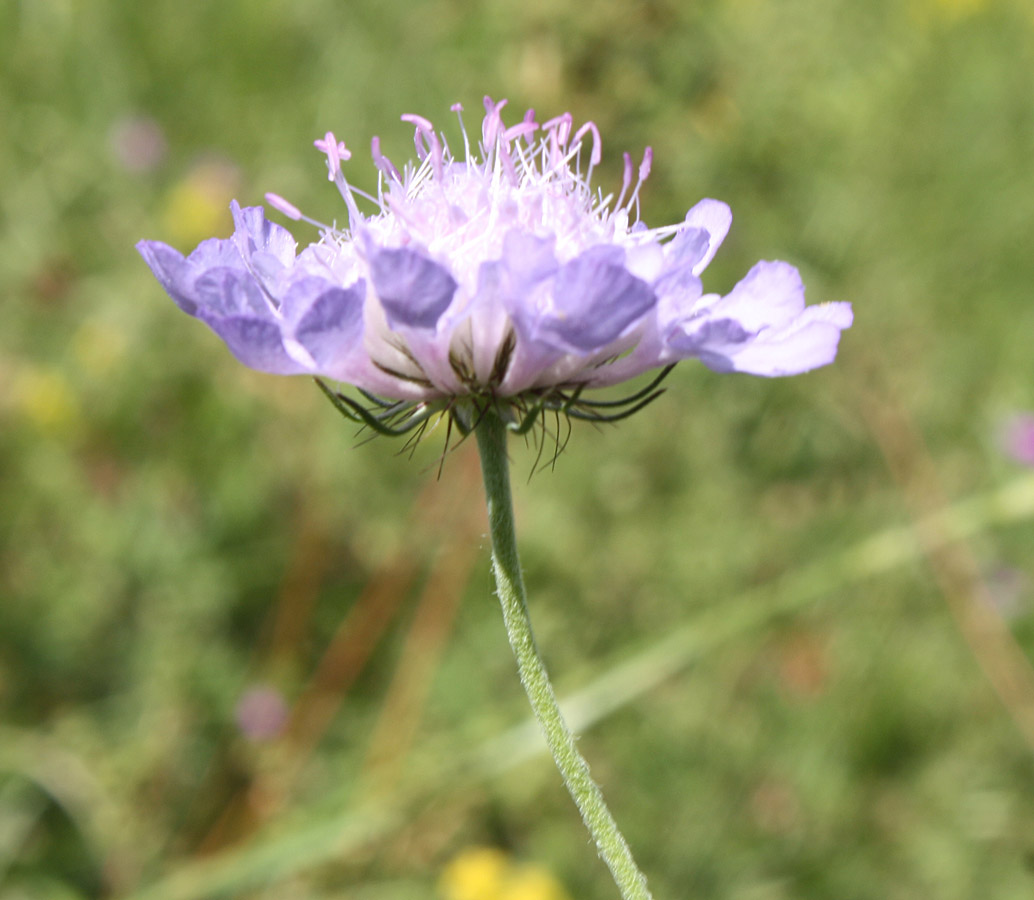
[
  {"x": 458, "y": 109},
  {"x": 529, "y": 119},
  {"x": 345, "y": 190},
  {"x": 507, "y": 159},
  {"x": 287, "y": 208},
  {"x": 335, "y": 150},
  {"x": 561, "y": 125},
  {"x": 597, "y": 153},
  {"x": 559, "y": 128},
  {"x": 430, "y": 146},
  {"x": 382, "y": 162},
  {"x": 292, "y": 212},
  {"x": 647, "y": 163},
  {"x": 492, "y": 124},
  {"x": 523, "y": 129},
  {"x": 626, "y": 182},
  {"x": 644, "y": 172}
]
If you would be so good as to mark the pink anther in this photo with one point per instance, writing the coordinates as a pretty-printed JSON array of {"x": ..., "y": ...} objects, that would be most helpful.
[
  {"x": 426, "y": 141},
  {"x": 381, "y": 161},
  {"x": 288, "y": 209},
  {"x": 597, "y": 151},
  {"x": 561, "y": 127},
  {"x": 335, "y": 150},
  {"x": 644, "y": 172},
  {"x": 493, "y": 122},
  {"x": 522, "y": 129},
  {"x": 646, "y": 164},
  {"x": 421, "y": 123}
]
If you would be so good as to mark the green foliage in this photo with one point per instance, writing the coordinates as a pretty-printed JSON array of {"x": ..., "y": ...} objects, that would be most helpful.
[{"x": 175, "y": 529}]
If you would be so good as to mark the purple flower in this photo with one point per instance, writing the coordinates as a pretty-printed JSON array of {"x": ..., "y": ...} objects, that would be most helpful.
[
  {"x": 261, "y": 713},
  {"x": 138, "y": 143},
  {"x": 498, "y": 274},
  {"x": 1017, "y": 438}
]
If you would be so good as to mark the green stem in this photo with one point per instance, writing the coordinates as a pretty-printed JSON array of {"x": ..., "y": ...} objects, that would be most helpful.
[{"x": 491, "y": 436}]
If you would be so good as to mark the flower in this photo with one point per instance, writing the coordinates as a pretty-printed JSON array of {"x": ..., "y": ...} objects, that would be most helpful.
[
  {"x": 499, "y": 277},
  {"x": 261, "y": 713},
  {"x": 486, "y": 873},
  {"x": 138, "y": 144},
  {"x": 1017, "y": 438}
]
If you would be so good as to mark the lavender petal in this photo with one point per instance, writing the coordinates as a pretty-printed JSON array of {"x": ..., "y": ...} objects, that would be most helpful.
[
  {"x": 715, "y": 218},
  {"x": 414, "y": 290},
  {"x": 331, "y": 329},
  {"x": 770, "y": 295},
  {"x": 256, "y": 235},
  {"x": 256, "y": 342},
  {"x": 595, "y": 298},
  {"x": 807, "y": 343},
  {"x": 226, "y": 292}
]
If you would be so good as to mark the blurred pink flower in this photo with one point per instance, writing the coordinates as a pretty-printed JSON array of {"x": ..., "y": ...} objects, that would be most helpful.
[
  {"x": 1017, "y": 438},
  {"x": 261, "y": 713},
  {"x": 138, "y": 143}
]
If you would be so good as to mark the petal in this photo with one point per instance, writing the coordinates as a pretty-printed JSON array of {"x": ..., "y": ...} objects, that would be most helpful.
[
  {"x": 256, "y": 342},
  {"x": 527, "y": 257},
  {"x": 595, "y": 298},
  {"x": 331, "y": 329},
  {"x": 227, "y": 292},
  {"x": 179, "y": 276},
  {"x": 213, "y": 253},
  {"x": 646, "y": 261},
  {"x": 715, "y": 218},
  {"x": 687, "y": 249},
  {"x": 256, "y": 236},
  {"x": 484, "y": 331},
  {"x": 712, "y": 340},
  {"x": 169, "y": 267},
  {"x": 678, "y": 292},
  {"x": 769, "y": 296},
  {"x": 414, "y": 291},
  {"x": 807, "y": 343}
]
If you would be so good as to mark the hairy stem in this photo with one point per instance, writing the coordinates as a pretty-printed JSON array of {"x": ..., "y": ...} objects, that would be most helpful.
[{"x": 491, "y": 437}]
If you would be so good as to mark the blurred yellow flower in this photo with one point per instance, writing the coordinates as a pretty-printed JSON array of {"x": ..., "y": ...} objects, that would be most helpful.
[
  {"x": 530, "y": 882},
  {"x": 475, "y": 874},
  {"x": 198, "y": 206},
  {"x": 98, "y": 348},
  {"x": 485, "y": 873},
  {"x": 46, "y": 399}
]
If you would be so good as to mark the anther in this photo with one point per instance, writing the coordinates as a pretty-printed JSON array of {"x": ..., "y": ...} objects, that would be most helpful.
[
  {"x": 647, "y": 163},
  {"x": 492, "y": 123},
  {"x": 382, "y": 162},
  {"x": 426, "y": 141},
  {"x": 644, "y": 172},
  {"x": 561, "y": 127},
  {"x": 287, "y": 208},
  {"x": 597, "y": 152},
  {"x": 335, "y": 150}
]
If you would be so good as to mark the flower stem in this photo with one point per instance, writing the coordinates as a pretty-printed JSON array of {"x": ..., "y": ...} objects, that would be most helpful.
[{"x": 491, "y": 437}]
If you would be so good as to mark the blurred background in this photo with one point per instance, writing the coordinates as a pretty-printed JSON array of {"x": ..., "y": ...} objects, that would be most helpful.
[{"x": 245, "y": 654}]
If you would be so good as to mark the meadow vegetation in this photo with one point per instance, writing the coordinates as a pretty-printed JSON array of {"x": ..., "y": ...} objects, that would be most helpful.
[{"x": 245, "y": 653}]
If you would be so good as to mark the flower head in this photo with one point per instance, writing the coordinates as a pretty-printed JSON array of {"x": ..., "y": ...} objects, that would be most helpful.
[
  {"x": 1017, "y": 438},
  {"x": 492, "y": 276}
]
